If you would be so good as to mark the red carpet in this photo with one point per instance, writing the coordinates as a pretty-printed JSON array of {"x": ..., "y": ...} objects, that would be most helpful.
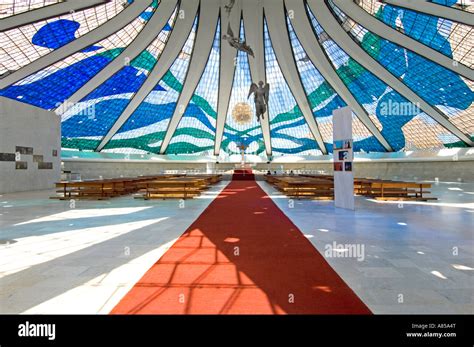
[
  {"x": 243, "y": 175},
  {"x": 241, "y": 256}
]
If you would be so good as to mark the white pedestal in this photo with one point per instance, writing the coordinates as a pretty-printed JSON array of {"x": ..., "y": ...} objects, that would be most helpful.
[{"x": 343, "y": 158}]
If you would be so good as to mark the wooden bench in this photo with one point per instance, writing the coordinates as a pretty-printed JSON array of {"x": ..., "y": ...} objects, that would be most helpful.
[
  {"x": 210, "y": 179},
  {"x": 99, "y": 189},
  {"x": 322, "y": 186},
  {"x": 303, "y": 187},
  {"x": 158, "y": 186},
  {"x": 400, "y": 191},
  {"x": 182, "y": 187},
  {"x": 392, "y": 190}
]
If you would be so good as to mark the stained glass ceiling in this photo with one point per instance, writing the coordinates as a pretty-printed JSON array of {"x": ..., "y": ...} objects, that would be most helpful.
[
  {"x": 11, "y": 7},
  {"x": 117, "y": 73}
]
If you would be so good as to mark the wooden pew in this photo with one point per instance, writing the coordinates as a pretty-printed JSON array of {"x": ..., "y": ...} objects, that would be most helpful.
[
  {"x": 274, "y": 178},
  {"x": 162, "y": 186},
  {"x": 210, "y": 178},
  {"x": 320, "y": 176},
  {"x": 385, "y": 190},
  {"x": 303, "y": 187},
  {"x": 322, "y": 187},
  {"x": 181, "y": 187},
  {"x": 100, "y": 189}
]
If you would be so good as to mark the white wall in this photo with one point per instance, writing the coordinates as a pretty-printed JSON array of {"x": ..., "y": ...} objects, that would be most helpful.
[
  {"x": 93, "y": 169},
  {"x": 447, "y": 171},
  {"x": 28, "y": 126}
]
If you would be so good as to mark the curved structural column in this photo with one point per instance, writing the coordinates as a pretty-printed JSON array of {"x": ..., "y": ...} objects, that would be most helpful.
[
  {"x": 376, "y": 26},
  {"x": 148, "y": 34},
  {"x": 253, "y": 25},
  {"x": 208, "y": 18},
  {"x": 181, "y": 29},
  {"x": 276, "y": 21},
  {"x": 310, "y": 43},
  {"x": 93, "y": 36},
  {"x": 435, "y": 10},
  {"x": 332, "y": 27},
  {"x": 226, "y": 72},
  {"x": 46, "y": 12}
]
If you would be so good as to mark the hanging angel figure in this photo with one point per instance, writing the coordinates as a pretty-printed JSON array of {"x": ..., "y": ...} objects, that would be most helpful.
[
  {"x": 236, "y": 42},
  {"x": 228, "y": 7},
  {"x": 261, "y": 94}
]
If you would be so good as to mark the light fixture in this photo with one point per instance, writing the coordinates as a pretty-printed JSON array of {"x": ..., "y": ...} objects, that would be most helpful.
[{"x": 242, "y": 113}]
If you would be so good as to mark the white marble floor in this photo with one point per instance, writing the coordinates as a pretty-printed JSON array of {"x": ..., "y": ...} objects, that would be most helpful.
[
  {"x": 417, "y": 257},
  {"x": 58, "y": 258}
]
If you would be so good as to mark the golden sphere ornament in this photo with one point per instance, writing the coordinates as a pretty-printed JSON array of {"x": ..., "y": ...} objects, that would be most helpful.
[{"x": 242, "y": 113}]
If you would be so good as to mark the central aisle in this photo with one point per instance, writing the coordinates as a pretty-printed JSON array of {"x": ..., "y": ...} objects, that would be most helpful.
[{"x": 241, "y": 256}]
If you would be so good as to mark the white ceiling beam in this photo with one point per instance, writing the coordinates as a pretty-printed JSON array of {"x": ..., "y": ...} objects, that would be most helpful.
[
  {"x": 180, "y": 33},
  {"x": 310, "y": 43},
  {"x": 146, "y": 36},
  {"x": 332, "y": 27},
  {"x": 47, "y": 12},
  {"x": 376, "y": 26},
  {"x": 206, "y": 32},
  {"x": 253, "y": 26},
  {"x": 433, "y": 9},
  {"x": 227, "y": 65},
  {"x": 108, "y": 28},
  {"x": 276, "y": 21}
]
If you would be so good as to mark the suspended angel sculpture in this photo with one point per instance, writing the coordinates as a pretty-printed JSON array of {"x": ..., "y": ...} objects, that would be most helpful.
[
  {"x": 236, "y": 42},
  {"x": 228, "y": 8},
  {"x": 260, "y": 93}
]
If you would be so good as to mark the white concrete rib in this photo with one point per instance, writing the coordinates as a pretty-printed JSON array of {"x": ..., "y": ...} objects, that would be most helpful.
[
  {"x": 148, "y": 34},
  {"x": 332, "y": 27},
  {"x": 433, "y": 9},
  {"x": 182, "y": 27},
  {"x": 208, "y": 18},
  {"x": 46, "y": 12},
  {"x": 276, "y": 21},
  {"x": 226, "y": 72},
  {"x": 309, "y": 41},
  {"x": 379, "y": 28},
  {"x": 253, "y": 26},
  {"x": 108, "y": 28}
]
